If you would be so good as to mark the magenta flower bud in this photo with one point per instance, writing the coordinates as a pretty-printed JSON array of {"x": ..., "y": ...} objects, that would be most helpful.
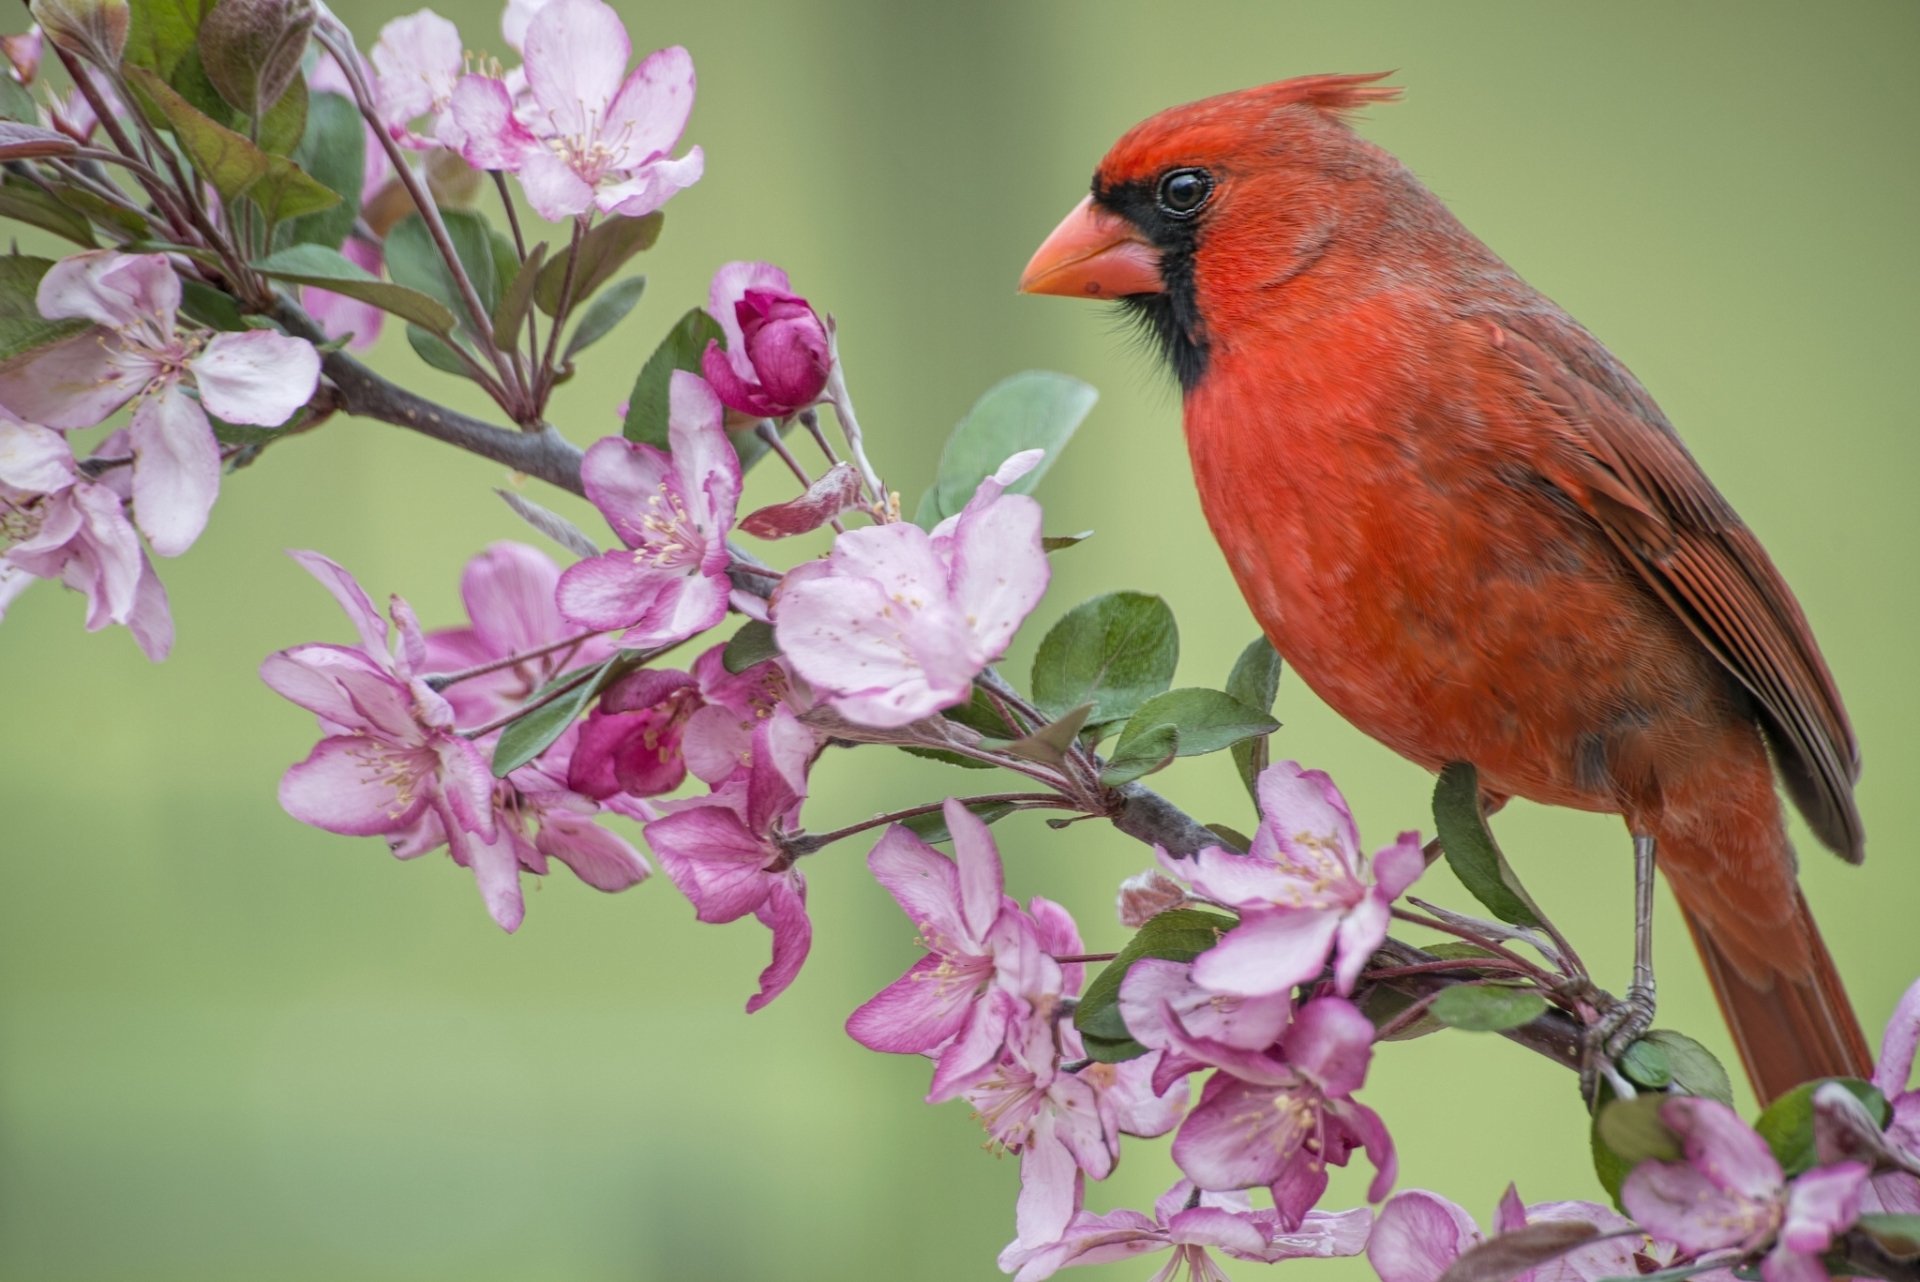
[{"x": 777, "y": 355}]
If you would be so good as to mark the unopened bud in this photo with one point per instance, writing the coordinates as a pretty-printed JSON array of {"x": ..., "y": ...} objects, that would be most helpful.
[
  {"x": 95, "y": 30},
  {"x": 1146, "y": 895},
  {"x": 251, "y": 49}
]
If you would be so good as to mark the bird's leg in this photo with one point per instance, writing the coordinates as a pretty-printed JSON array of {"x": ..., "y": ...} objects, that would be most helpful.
[{"x": 1628, "y": 1019}]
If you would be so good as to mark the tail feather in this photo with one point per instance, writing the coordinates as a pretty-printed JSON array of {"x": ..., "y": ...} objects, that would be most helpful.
[{"x": 1789, "y": 1027}]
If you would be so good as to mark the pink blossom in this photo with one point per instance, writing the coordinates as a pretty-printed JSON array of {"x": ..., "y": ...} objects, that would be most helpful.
[
  {"x": 979, "y": 944},
  {"x": 418, "y": 60},
  {"x": 1729, "y": 1192},
  {"x": 1899, "y": 1191},
  {"x": 896, "y": 623},
  {"x": 508, "y": 591},
  {"x": 1418, "y": 1235},
  {"x": 1279, "y": 1120},
  {"x": 777, "y": 355},
  {"x": 392, "y": 764},
  {"x": 1157, "y": 993},
  {"x": 1191, "y": 1223},
  {"x": 591, "y": 134},
  {"x": 727, "y": 852},
  {"x": 54, "y": 524},
  {"x": 136, "y": 352},
  {"x": 1303, "y": 892},
  {"x": 672, "y": 511}
]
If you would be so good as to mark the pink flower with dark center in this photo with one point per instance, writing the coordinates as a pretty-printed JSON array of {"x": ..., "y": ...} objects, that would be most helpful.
[
  {"x": 1279, "y": 1120},
  {"x": 1418, "y": 1235},
  {"x": 137, "y": 352},
  {"x": 896, "y": 623},
  {"x": 590, "y": 135},
  {"x": 1192, "y": 1224},
  {"x": 727, "y": 852},
  {"x": 1729, "y": 1193},
  {"x": 777, "y": 355},
  {"x": 56, "y": 525},
  {"x": 1304, "y": 892},
  {"x": 673, "y": 512}
]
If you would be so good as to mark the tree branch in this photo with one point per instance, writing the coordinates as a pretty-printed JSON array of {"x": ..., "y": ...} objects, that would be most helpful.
[{"x": 544, "y": 454}]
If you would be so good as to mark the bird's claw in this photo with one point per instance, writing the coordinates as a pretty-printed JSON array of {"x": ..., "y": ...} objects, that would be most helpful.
[{"x": 1623, "y": 1022}]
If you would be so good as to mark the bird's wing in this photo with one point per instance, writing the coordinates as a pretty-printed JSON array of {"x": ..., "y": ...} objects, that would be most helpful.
[{"x": 1615, "y": 456}]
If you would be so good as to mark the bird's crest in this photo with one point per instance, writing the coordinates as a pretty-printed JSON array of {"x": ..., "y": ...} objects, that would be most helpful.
[{"x": 1335, "y": 93}]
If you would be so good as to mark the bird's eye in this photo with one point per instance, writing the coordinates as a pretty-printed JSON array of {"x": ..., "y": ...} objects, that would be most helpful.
[{"x": 1183, "y": 191}]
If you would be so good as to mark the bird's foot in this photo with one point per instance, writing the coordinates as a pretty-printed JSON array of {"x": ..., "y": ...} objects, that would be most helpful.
[{"x": 1622, "y": 1022}]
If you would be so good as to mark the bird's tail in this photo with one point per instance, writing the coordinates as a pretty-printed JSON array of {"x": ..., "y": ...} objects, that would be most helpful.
[{"x": 1776, "y": 983}]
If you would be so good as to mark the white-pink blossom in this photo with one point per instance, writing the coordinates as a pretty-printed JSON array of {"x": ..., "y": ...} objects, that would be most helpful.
[
  {"x": 136, "y": 351},
  {"x": 588, "y": 134},
  {"x": 896, "y": 622}
]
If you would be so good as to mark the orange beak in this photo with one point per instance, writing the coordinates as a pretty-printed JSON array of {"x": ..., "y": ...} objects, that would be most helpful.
[{"x": 1093, "y": 254}]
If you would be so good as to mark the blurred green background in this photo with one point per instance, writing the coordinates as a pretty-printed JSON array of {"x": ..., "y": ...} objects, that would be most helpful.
[{"x": 232, "y": 1046}]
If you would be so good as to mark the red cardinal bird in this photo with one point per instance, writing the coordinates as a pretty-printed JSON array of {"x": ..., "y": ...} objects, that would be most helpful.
[{"x": 1472, "y": 532}]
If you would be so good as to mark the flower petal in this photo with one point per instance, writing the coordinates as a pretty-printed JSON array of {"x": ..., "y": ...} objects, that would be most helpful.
[
  {"x": 1268, "y": 953},
  {"x": 111, "y": 289},
  {"x": 784, "y": 912},
  {"x": 923, "y": 882},
  {"x": 600, "y": 858},
  {"x": 354, "y": 785},
  {"x": 999, "y": 572},
  {"x": 1898, "y": 1043},
  {"x": 1417, "y": 1236},
  {"x": 1304, "y": 812},
  {"x": 75, "y": 382},
  {"x": 982, "y": 881},
  {"x": 575, "y": 53},
  {"x": 554, "y": 190},
  {"x": 652, "y": 185},
  {"x": 480, "y": 124},
  {"x": 258, "y": 377},
  {"x": 650, "y": 112},
  {"x": 176, "y": 470},
  {"x": 1822, "y": 1204},
  {"x": 919, "y": 1010},
  {"x": 730, "y": 284}
]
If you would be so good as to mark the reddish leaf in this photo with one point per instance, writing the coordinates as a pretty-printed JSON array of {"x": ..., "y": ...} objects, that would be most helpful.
[
  {"x": 825, "y": 499},
  {"x": 29, "y": 142}
]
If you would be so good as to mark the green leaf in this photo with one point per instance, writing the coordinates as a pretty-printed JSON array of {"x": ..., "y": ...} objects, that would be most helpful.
[
  {"x": 34, "y": 207},
  {"x": 523, "y": 740},
  {"x": 232, "y": 164},
  {"x": 414, "y": 260},
  {"x": 1627, "y": 1132},
  {"x": 1787, "y": 1123},
  {"x": 603, "y": 251},
  {"x": 330, "y": 269},
  {"x": 603, "y": 313},
  {"x": 1645, "y": 1064},
  {"x": 162, "y": 32},
  {"x": 1898, "y": 1235},
  {"x": 1179, "y": 935},
  {"x": 1037, "y": 409},
  {"x": 1207, "y": 720},
  {"x": 752, "y": 644},
  {"x": 516, "y": 299},
  {"x": 1254, "y": 681},
  {"x": 1503, "y": 1258},
  {"x": 438, "y": 352},
  {"x": 16, "y": 103},
  {"x": 1472, "y": 852},
  {"x": 1051, "y": 742},
  {"x": 1115, "y": 651},
  {"x": 333, "y": 150},
  {"x": 1694, "y": 1069},
  {"x": 1144, "y": 754},
  {"x": 679, "y": 350},
  {"x": 1060, "y": 542},
  {"x": 128, "y": 222},
  {"x": 22, "y": 328},
  {"x": 211, "y": 307},
  {"x": 1231, "y": 837},
  {"x": 1488, "y": 1008},
  {"x": 280, "y": 130},
  {"x": 931, "y": 827}
]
